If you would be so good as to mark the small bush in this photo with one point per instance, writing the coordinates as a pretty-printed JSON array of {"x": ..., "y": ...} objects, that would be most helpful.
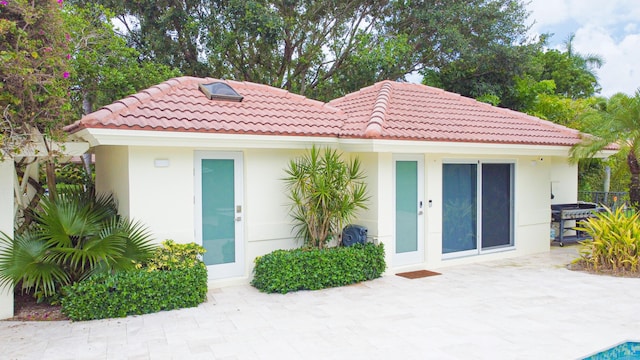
[
  {"x": 175, "y": 277},
  {"x": 312, "y": 269},
  {"x": 171, "y": 256},
  {"x": 615, "y": 244}
]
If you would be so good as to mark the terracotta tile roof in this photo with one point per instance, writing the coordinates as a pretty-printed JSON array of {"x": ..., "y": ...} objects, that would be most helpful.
[
  {"x": 394, "y": 110},
  {"x": 178, "y": 105},
  {"x": 385, "y": 110}
]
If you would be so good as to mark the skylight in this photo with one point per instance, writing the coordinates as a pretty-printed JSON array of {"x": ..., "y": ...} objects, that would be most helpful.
[{"x": 220, "y": 91}]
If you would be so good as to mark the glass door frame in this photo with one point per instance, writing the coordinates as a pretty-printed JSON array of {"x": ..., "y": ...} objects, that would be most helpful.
[
  {"x": 236, "y": 268},
  {"x": 418, "y": 256},
  {"x": 479, "y": 250}
]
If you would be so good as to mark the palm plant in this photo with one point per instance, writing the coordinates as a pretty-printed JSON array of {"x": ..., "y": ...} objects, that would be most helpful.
[
  {"x": 616, "y": 122},
  {"x": 75, "y": 235},
  {"x": 325, "y": 193}
]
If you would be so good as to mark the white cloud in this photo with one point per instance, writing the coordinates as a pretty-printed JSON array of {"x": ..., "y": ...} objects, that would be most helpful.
[{"x": 607, "y": 28}]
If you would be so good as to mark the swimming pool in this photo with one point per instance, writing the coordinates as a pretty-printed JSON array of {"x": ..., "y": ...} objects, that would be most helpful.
[{"x": 625, "y": 351}]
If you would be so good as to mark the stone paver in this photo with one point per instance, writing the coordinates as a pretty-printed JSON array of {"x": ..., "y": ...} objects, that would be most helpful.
[{"x": 524, "y": 308}]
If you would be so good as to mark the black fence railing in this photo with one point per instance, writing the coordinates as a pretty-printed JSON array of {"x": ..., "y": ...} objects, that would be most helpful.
[{"x": 612, "y": 200}]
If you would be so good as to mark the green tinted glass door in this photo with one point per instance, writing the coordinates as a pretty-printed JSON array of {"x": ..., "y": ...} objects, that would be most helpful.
[
  {"x": 409, "y": 220},
  {"x": 406, "y": 206},
  {"x": 218, "y": 213}
]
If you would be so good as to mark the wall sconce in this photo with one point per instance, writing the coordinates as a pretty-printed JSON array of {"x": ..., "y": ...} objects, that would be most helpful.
[{"x": 160, "y": 163}]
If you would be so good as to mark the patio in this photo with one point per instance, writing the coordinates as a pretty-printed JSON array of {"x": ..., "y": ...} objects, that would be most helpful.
[{"x": 524, "y": 308}]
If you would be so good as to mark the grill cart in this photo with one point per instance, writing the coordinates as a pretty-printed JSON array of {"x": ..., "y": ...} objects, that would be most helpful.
[{"x": 566, "y": 216}]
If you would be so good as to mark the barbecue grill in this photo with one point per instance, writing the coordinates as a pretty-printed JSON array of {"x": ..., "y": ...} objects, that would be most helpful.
[{"x": 560, "y": 213}]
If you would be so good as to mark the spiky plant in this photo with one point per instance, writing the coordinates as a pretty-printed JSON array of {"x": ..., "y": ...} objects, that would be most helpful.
[{"x": 325, "y": 192}]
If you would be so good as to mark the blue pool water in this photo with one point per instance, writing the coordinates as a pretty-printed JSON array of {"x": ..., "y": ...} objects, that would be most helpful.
[{"x": 624, "y": 351}]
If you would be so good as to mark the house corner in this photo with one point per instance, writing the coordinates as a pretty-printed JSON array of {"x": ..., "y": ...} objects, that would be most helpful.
[{"x": 6, "y": 226}]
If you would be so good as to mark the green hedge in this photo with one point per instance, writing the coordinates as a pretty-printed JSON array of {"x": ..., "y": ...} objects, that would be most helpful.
[
  {"x": 135, "y": 292},
  {"x": 311, "y": 269}
]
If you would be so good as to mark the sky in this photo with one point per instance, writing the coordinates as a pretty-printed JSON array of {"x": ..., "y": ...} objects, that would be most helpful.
[{"x": 609, "y": 28}]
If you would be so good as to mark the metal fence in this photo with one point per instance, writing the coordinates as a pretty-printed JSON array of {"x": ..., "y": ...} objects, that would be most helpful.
[{"x": 612, "y": 200}]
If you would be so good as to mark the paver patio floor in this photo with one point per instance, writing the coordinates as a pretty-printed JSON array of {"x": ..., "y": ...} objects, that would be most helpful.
[{"x": 523, "y": 308}]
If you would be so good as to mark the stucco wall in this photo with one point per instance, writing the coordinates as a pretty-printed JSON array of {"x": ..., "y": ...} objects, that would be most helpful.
[
  {"x": 162, "y": 197},
  {"x": 6, "y": 226},
  {"x": 267, "y": 222},
  {"x": 112, "y": 174},
  {"x": 564, "y": 181},
  {"x": 161, "y": 184}
]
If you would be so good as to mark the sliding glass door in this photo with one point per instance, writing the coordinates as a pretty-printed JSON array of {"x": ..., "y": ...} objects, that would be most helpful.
[
  {"x": 459, "y": 207},
  {"x": 477, "y": 208}
]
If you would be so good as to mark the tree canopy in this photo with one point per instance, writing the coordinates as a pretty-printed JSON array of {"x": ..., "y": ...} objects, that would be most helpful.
[
  {"x": 321, "y": 49},
  {"x": 34, "y": 69}
]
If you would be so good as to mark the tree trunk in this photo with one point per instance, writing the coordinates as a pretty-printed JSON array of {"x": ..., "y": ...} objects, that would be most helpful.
[
  {"x": 51, "y": 179},
  {"x": 634, "y": 186}
]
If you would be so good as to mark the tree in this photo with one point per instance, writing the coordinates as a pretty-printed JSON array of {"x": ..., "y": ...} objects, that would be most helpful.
[
  {"x": 492, "y": 71},
  {"x": 616, "y": 122},
  {"x": 442, "y": 32},
  {"x": 316, "y": 48},
  {"x": 34, "y": 69},
  {"x": 325, "y": 193},
  {"x": 103, "y": 68}
]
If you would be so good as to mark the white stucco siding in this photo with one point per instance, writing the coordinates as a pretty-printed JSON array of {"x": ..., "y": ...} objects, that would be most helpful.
[
  {"x": 6, "y": 226},
  {"x": 533, "y": 205},
  {"x": 433, "y": 198},
  {"x": 267, "y": 222},
  {"x": 112, "y": 174},
  {"x": 564, "y": 181},
  {"x": 162, "y": 191},
  {"x": 369, "y": 217}
]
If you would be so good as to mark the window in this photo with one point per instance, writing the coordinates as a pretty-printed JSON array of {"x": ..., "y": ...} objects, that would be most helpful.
[{"x": 220, "y": 91}]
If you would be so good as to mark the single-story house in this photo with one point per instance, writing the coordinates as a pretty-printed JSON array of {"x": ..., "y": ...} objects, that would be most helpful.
[{"x": 451, "y": 180}]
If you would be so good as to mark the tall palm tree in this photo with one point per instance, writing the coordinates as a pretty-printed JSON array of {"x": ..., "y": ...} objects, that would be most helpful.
[
  {"x": 588, "y": 62},
  {"x": 615, "y": 122}
]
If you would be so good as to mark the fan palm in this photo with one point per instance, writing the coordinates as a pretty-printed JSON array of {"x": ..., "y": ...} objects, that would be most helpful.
[
  {"x": 75, "y": 235},
  {"x": 616, "y": 122}
]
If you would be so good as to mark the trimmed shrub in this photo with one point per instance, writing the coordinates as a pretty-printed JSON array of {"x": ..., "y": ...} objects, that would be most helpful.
[
  {"x": 175, "y": 277},
  {"x": 283, "y": 271},
  {"x": 135, "y": 292}
]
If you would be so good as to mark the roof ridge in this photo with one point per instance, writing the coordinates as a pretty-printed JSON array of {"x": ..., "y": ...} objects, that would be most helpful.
[{"x": 379, "y": 112}]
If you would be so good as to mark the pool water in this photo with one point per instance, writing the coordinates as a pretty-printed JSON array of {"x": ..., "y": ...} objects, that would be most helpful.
[{"x": 624, "y": 351}]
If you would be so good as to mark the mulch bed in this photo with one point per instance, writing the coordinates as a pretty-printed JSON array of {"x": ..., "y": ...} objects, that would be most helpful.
[
  {"x": 26, "y": 308},
  {"x": 578, "y": 266}
]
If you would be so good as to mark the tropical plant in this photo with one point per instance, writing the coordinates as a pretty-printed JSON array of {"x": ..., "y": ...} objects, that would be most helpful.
[
  {"x": 171, "y": 256},
  {"x": 74, "y": 236},
  {"x": 325, "y": 193},
  {"x": 616, "y": 241},
  {"x": 615, "y": 122}
]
